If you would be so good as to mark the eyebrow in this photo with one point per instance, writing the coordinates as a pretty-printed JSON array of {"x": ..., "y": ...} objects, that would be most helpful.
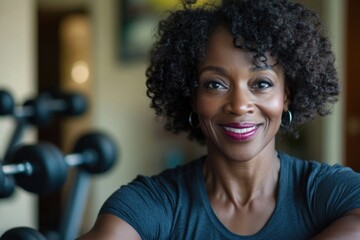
[
  {"x": 212, "y": 68},
  {"x": 222, "y": 70},
  {"x": 262, "y": 68}
]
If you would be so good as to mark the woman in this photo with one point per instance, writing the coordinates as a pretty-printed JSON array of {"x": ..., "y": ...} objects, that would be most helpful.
[{"x": 231, "y": 76}]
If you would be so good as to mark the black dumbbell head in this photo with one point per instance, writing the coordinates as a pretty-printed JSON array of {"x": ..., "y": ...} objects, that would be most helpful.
[
  {"x": 7, "y": 185},
  {"x": 2, "y": 177},
  {"x": 6, "y": 103},
  {"x": 50, "y": 170},
  {"x": 42, "y": 114},
  {"x": 22, "y": 233},
  {"x": 76, "y": 104},
  {"x": 73, "y": 103},
  {"x": 105, "y": 150}
]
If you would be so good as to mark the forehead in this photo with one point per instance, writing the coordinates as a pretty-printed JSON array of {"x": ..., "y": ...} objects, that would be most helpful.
[{"x": 221, "y": 43}]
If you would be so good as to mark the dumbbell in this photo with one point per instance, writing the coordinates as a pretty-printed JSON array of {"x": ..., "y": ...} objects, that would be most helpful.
[
  {"x": 7, "y": 185},
  {"x": 6, "y": 102},
  {"x": 39, "y": 111},
  {"x": 22, "y": 233},
  {"x": 42, "y": 168}
]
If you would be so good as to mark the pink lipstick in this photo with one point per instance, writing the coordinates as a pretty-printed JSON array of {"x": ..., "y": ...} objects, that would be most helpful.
[{"x": 240, "y": 132}]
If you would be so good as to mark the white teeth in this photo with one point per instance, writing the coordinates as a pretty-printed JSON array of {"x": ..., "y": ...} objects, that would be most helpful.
[{"x": 240, "y": 130}]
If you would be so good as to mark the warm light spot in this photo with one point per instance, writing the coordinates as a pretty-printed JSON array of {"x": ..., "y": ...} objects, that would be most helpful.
[{"x": 80, "y": 72}]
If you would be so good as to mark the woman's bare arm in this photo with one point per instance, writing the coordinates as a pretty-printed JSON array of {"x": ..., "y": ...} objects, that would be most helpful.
[
  {"x": 346, "y": 227},
  {"x": 108, "y": 227}
]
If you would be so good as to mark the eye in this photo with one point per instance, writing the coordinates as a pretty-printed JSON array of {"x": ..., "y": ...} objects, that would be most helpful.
[
  {"x": 262, "y": 84},
  {"x": 214, "y": 85}
]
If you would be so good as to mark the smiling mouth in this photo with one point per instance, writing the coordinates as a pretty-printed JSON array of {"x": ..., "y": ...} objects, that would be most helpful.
[
  {"x": 241, "y": 130},
  {"x": 241, "y": 133}
]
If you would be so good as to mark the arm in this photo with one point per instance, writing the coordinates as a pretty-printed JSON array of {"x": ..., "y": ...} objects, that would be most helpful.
[
  {"x": 346, "y": 227},
  {"x": 110, "y": 227}
]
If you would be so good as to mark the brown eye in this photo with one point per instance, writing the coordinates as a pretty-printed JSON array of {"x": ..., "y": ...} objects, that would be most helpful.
[
  {"x": 214, "y": 85},
  {"x": 263, "y": 84}
]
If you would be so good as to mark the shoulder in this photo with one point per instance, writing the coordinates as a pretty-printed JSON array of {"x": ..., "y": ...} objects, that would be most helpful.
[
  {"x": 154, "y": 198},
  {"x": 330, "y": 190},
  {"x": 169, "y": 178},
  {"x": 165, "y": 183},
  {"x": 321, "y": 182},
  {"x": 181, "y": 171},
  {"x": 314, "y": 170}
]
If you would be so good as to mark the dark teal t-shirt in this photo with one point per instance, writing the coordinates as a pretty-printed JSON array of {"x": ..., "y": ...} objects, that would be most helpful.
[{"x": 174, "y": 204}]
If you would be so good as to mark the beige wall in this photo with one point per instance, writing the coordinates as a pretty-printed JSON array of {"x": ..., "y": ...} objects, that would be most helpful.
[
  {"x": 332, "y": 138},
  {"x": 334, "y": 12},
  {"x": 17, "y": 74}
]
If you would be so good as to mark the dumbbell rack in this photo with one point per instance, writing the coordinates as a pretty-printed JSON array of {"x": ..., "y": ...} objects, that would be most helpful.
[
  {"x": 72, "y": 219},
  {"x": 17, "y": 162},
  {"x": 74, "y": 210}
]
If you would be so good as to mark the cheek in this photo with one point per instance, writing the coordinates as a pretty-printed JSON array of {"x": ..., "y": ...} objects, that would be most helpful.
[
  {"x": 206, "y": 108},
  {"x": 274, "y": 107}
]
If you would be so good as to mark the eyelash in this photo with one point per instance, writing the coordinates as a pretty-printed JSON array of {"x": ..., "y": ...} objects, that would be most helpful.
[
  {"x": 259, "y": 84},
  {"x": 211, "y": 85}
]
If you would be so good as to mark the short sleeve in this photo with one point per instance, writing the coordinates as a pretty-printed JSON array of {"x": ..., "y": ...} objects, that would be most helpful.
[
  {"x": 144, "y": 205},
  {"x": 333, "y": 191}
]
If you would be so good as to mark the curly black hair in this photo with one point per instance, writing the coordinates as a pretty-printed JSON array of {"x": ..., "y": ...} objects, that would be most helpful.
[{"x": 291, "y": 33}]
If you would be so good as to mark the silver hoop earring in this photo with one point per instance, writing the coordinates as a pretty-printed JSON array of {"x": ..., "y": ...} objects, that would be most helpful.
[
  {"x": 286, "y": 122},
  {"x": 191, "y": 121}
]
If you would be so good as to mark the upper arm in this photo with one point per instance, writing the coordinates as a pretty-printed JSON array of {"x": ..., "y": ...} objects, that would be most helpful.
[
  {"x": 110, "y": 227},
  {"x": 346, "y": 227}
]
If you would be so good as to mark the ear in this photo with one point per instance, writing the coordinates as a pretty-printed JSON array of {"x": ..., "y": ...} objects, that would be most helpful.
[
  {"x": 193, "y": 104},
  {"x": 193, "y": 100},
  {"x": 286, "y": 99}
]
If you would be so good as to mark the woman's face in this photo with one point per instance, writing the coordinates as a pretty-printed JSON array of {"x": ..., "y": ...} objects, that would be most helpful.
[{"x": 239, "y": 105}]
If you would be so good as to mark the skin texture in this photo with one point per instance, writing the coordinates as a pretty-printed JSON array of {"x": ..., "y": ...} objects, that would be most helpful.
[
  {"x": 345, "y": 228},
  {"x": 241, "y": 176},
  {"x": 109, "y": 227},
  {"x": 233, "y": 91}
]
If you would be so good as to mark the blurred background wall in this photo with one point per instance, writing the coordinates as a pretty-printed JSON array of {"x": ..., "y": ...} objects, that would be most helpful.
[
  {"x": 17, "y": 73},
  {"x": 116, "y": 89}
]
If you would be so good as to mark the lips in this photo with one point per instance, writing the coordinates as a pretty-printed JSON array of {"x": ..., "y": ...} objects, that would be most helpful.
[{"x": 241, "y": 132}]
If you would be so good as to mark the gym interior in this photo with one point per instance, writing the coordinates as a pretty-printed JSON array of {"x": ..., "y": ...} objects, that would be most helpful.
[{"x": 80, "y": 64}]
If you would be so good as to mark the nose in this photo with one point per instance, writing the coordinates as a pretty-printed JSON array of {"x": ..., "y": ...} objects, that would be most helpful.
[{"x": 239, "y": 102}]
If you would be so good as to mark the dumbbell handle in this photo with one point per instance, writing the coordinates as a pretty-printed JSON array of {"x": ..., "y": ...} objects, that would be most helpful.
[
  {"x": 56, "y": 105},
  {"x": 75, "y": 159},
  {"x": 11, "y": 169},
  {"x": 23, "y": 111}
]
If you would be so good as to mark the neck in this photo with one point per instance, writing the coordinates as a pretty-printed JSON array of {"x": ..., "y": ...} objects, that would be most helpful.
[{"x": 241, "y": 182}]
